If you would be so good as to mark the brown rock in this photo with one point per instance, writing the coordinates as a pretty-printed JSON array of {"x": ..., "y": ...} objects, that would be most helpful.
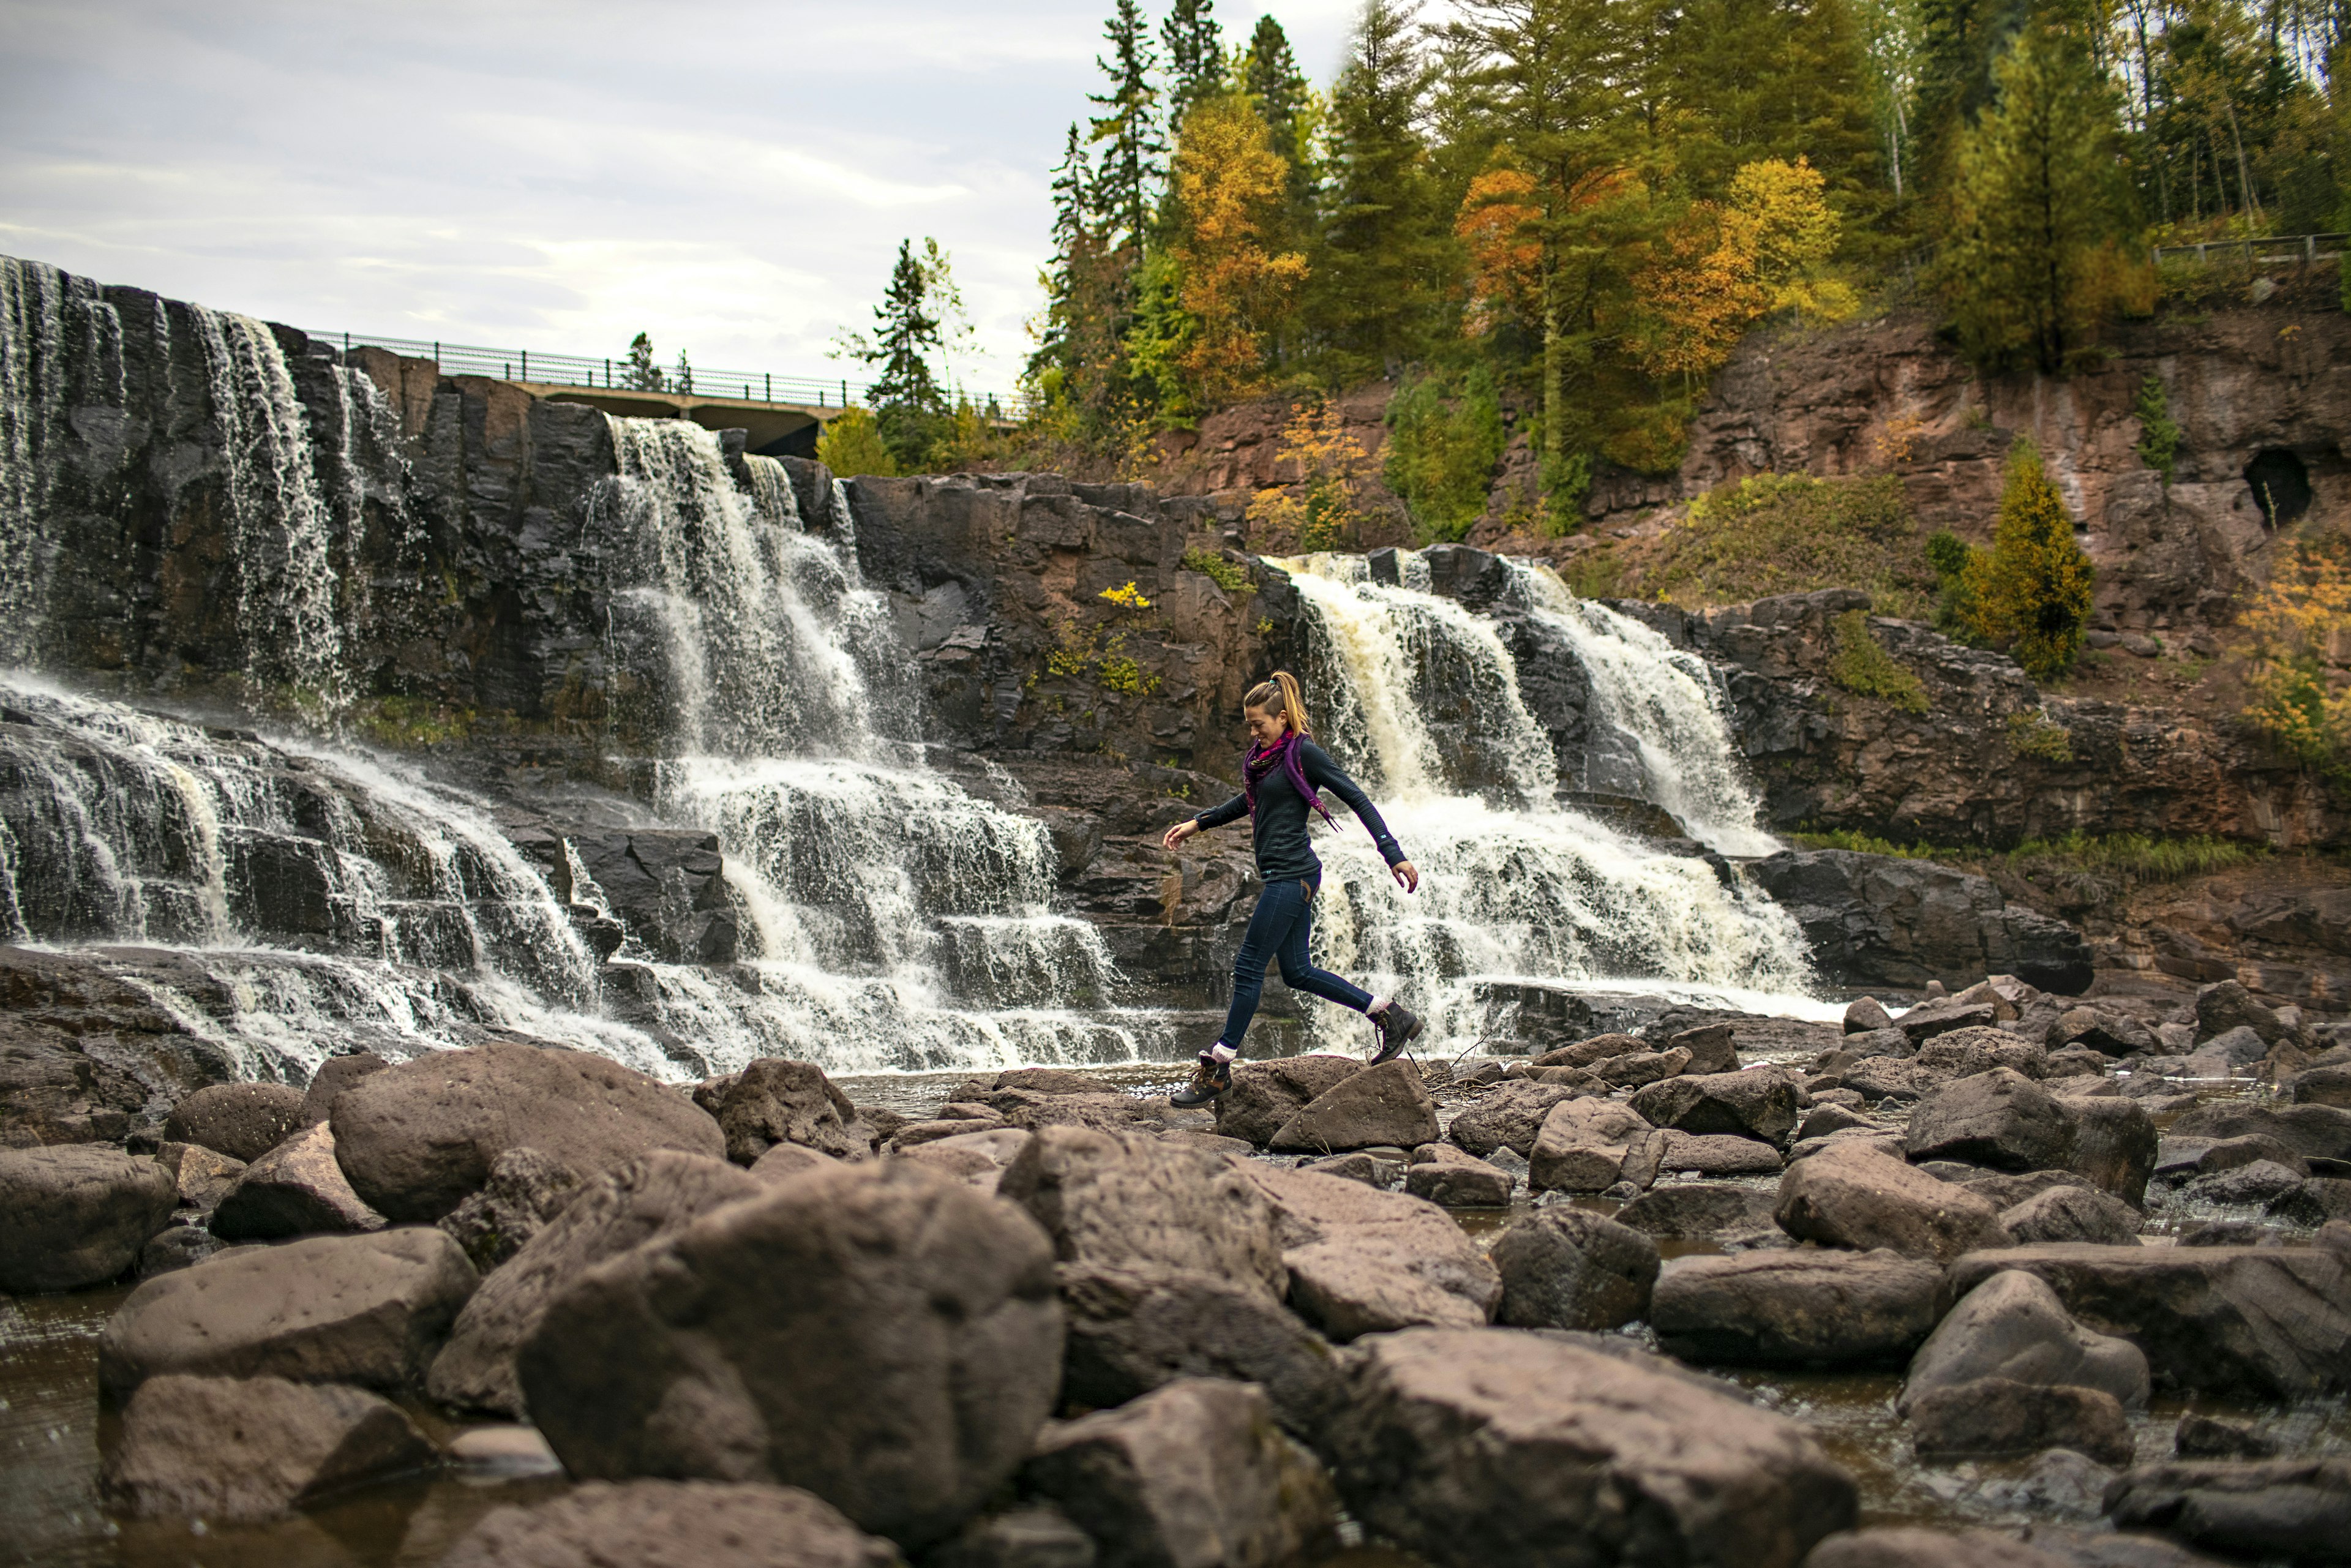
[
  {"x": 243, "y": 1121},
  {"x": 1387, "y": 1105},
  {"x": 293, "y": 1189},
  {"x": 1583, "y": 1145},
  {"x": 1361, "y": 1262},
  {"x": 335, "y": 1075},
  {"x": 671, "y": 1524},
  {"x": 76, "y": 1214},
  {"x": 1856, "y": 1196},
  {"x": 1799, "y": 1308},
  {"x": 237, "y": 1450},
  {"x": 1265, "y": 1094},
  {"x": 1997, "y": 1416},
  {"x": 1760, "y": 1103},
  {"x": 1567, "y": 1269},
  {"x": 1121, "y": 1201},
  {"x": 774, "y": 1100},
  {"x": 1511, "y": 1118}
]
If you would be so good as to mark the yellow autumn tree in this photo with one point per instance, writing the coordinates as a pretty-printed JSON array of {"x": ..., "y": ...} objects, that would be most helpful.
[
  {"x": 1496, "y": 227},
  {"x": 1728, "y": 265},
  {"x": 2296, "y": 632},
  {"x": 1236, "y": 285},
  {"x": 1321, "y": 510}
]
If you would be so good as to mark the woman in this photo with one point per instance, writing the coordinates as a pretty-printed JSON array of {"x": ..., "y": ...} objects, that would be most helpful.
[{"x": 1278, "y": 779}]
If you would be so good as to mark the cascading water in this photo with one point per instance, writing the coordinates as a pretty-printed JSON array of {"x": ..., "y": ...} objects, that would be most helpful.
[
  {"x": 329, "y": 901},
  {"x": 1661, "y": 703},
  {"x": 1420, "y": 699},
  {"x": 898, "y": 921}
]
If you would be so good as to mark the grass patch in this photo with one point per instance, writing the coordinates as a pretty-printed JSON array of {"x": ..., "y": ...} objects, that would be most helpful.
[
  {"x": 2131, "y": 857},
  {"x": 1864, "y": 667},
  {"x": 1231, "y": 575},
  {"x": 1791, "y": 533},
  {"x": 412, "y": 724},
  {"x": 2036, "y": 735}
]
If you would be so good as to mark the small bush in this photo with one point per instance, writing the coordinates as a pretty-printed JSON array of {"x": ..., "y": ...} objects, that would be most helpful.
[
  {"x": 1320, "y": 512},
  {"x": 850, "y": 444},
  {"x": 1127, "y": 597},
  {"x": 1789, "y": 533},
  {"x": 1445, "y": 436},
  {"x": 2036, "y": 735},
  {"x": 2159, "y": 437},
  {"x": 1231, "y": 575},
  {"x": 2030, "y": 592},
  {"x": 1864, "y": 667}
]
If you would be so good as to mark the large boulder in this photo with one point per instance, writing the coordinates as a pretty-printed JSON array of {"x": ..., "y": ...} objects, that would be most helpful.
[
  {"x": 1472, "y": 1447},
  {"x": 1124, "y": 1199},
  {"x": 643, "y": 1200},
  {"x": 1511, "y": 1118},
  {"x": 243, "y": 1121},
  {"x": 234, "y": 1451},
  {"x": 525, "y": 1191},
  {"x": 76, "y": 1214},
  {"x": 2298, "y": 1510},
  {"x": 1384, "y": 1105},
  {"x": 335, "y": 1075},
  {"x": 416, "y": 1138},
  {"x": 1193, "y": 1475},
  {"x": 2114, "y": 1144},
  {"x": 1569, "y": 1268},
  {"x": 671, "y": 1524},
  {"x": 877, "y": 1334},
  {"x": 1909, "y": 1546},
  {"x": 1584, "y": 1145},
  {"x": 1452, "y": 1180},
  {"x": 1136, "y": 1329},
  {"x": 1757, "y": 1104},
  {"x": 2314, "y": 1132},
  {"x": 1879, "y": 920},
  {"x": 1795, "y": 1309},
  {"x": 774, "y": 1100},
  {"x": 295, "y": 1189},
  {"x": 369, "y": 1309},
  {"x": 2000, "y": 1119},
  {"x": 2226, "y": 1005},
  {"x": 2072, "y": 1214},
  {"x": 1698, "y": 1209},
  {"x": 1265, "y": 1095},
  {"x": 2013, "y": 1326},
  {"x": 1992, "y": 1416},
  {"x": 1857, "y": 1195},
  {"x": 1363, "y": 1261},
  {"x": 1964, "y": 1052},
  {"x": 2270, "y": 1322}
]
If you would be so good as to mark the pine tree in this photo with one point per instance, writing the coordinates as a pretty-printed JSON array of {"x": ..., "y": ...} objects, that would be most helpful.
[
  {"x": 1129, "y": 175},
  {"x": 640, "y": 373},
  {"x": 1555, "y": 80},
  {"x": 2032, "y": 590},
  {"x": 1196, "y": 56},
  {"x": 2037, "y": 205},
  {"x": 1385, "y": 260},
  {"x": 910, "y": 332},
  {"x": 1270, "y": 76},
  {"x": 1960, "y": 40},
  {"x": 1732, "y": 82}
]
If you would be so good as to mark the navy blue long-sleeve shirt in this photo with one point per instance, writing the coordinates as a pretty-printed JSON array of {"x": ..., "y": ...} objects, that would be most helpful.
[{"x": 1278, "y": 833}]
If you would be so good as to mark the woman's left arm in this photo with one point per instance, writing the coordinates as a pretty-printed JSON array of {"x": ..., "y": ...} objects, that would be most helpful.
[{"x": 1325, "y": 774}]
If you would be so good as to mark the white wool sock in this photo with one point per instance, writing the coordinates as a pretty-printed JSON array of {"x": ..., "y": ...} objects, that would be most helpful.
[
  {"x": 1221, "y": 1051},
  {"x": 1378, "y": 1006}
]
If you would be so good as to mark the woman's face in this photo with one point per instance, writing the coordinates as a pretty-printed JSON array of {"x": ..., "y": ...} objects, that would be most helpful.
[{"x": 1265, "y": 726}]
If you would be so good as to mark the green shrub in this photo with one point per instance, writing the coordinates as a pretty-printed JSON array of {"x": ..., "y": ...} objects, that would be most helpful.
[
  {"x": 1864, "y": 667},
  {"x": 850, "y": 444},
  {"x": 1791, "y": 533},
  {"x": 1445, "y": 436},
  {"x": 2159, "y": 437},
  {"x": 2030, "y": 592},
  {"x": 1231, "y": 575},
  {"x": 2034, "y": 734}
]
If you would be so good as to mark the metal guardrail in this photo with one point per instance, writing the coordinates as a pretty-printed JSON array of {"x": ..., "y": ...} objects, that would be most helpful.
[
  {"x": 618, "y": 375},
  {"x": 2293, "y": 248}
]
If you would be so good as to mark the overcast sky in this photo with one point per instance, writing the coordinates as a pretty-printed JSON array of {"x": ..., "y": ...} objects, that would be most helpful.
[{"x": 732, "y": 178}]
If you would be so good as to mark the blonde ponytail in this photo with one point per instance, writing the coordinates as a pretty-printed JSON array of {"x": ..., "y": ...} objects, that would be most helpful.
[{"x": 1281, "y": 694}]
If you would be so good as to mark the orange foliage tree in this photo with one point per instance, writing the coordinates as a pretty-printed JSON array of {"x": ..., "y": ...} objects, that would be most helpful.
[
  {"x": 1728, "y": 265},
  {"x": 1237, "y": 285}
]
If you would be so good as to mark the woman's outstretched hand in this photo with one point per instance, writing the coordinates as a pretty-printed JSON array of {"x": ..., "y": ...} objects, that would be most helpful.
[
  {"x": 1408, "y": 875},
  {"x": 1178, "y": 833}
]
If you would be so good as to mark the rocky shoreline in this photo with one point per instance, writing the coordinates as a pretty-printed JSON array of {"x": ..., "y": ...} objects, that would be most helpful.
[{"x": 1510, "y": 1310}]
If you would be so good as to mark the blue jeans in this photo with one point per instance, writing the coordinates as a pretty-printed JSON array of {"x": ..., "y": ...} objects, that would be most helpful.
[{"x": 1278, "y": 932}]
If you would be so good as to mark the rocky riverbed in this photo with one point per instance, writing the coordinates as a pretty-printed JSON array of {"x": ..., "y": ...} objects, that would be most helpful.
[{"x": 1729, "y": 1289}]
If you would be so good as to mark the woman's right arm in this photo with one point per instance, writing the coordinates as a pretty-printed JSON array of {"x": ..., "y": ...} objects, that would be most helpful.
[{"x": 1214, "y": 817}]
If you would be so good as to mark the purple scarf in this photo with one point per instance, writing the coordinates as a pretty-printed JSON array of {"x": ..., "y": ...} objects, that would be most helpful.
[{"x": 1282, "y": 753}]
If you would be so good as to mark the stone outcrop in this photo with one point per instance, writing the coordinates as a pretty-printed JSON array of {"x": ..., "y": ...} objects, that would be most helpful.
[
  {"x": 1492, "y": 1446},
  {"x": 875, "y": 1332},
  {"x": 1872, "y": 920}
]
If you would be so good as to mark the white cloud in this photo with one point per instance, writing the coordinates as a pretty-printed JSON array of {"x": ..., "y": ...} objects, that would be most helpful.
[{"x": 734, "y": 177}]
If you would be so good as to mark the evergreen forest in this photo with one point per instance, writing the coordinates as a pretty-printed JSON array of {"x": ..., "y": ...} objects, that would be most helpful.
[{"x": 1576, "y": 210}]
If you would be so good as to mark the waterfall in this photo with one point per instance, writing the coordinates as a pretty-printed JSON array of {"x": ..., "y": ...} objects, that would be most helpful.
[
  {"x": 41, "y": 311},
  {"x": 1663, "y": 702},
  {"x": 897, "y": 920},
  {"x": 1420, "y": 699}
]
